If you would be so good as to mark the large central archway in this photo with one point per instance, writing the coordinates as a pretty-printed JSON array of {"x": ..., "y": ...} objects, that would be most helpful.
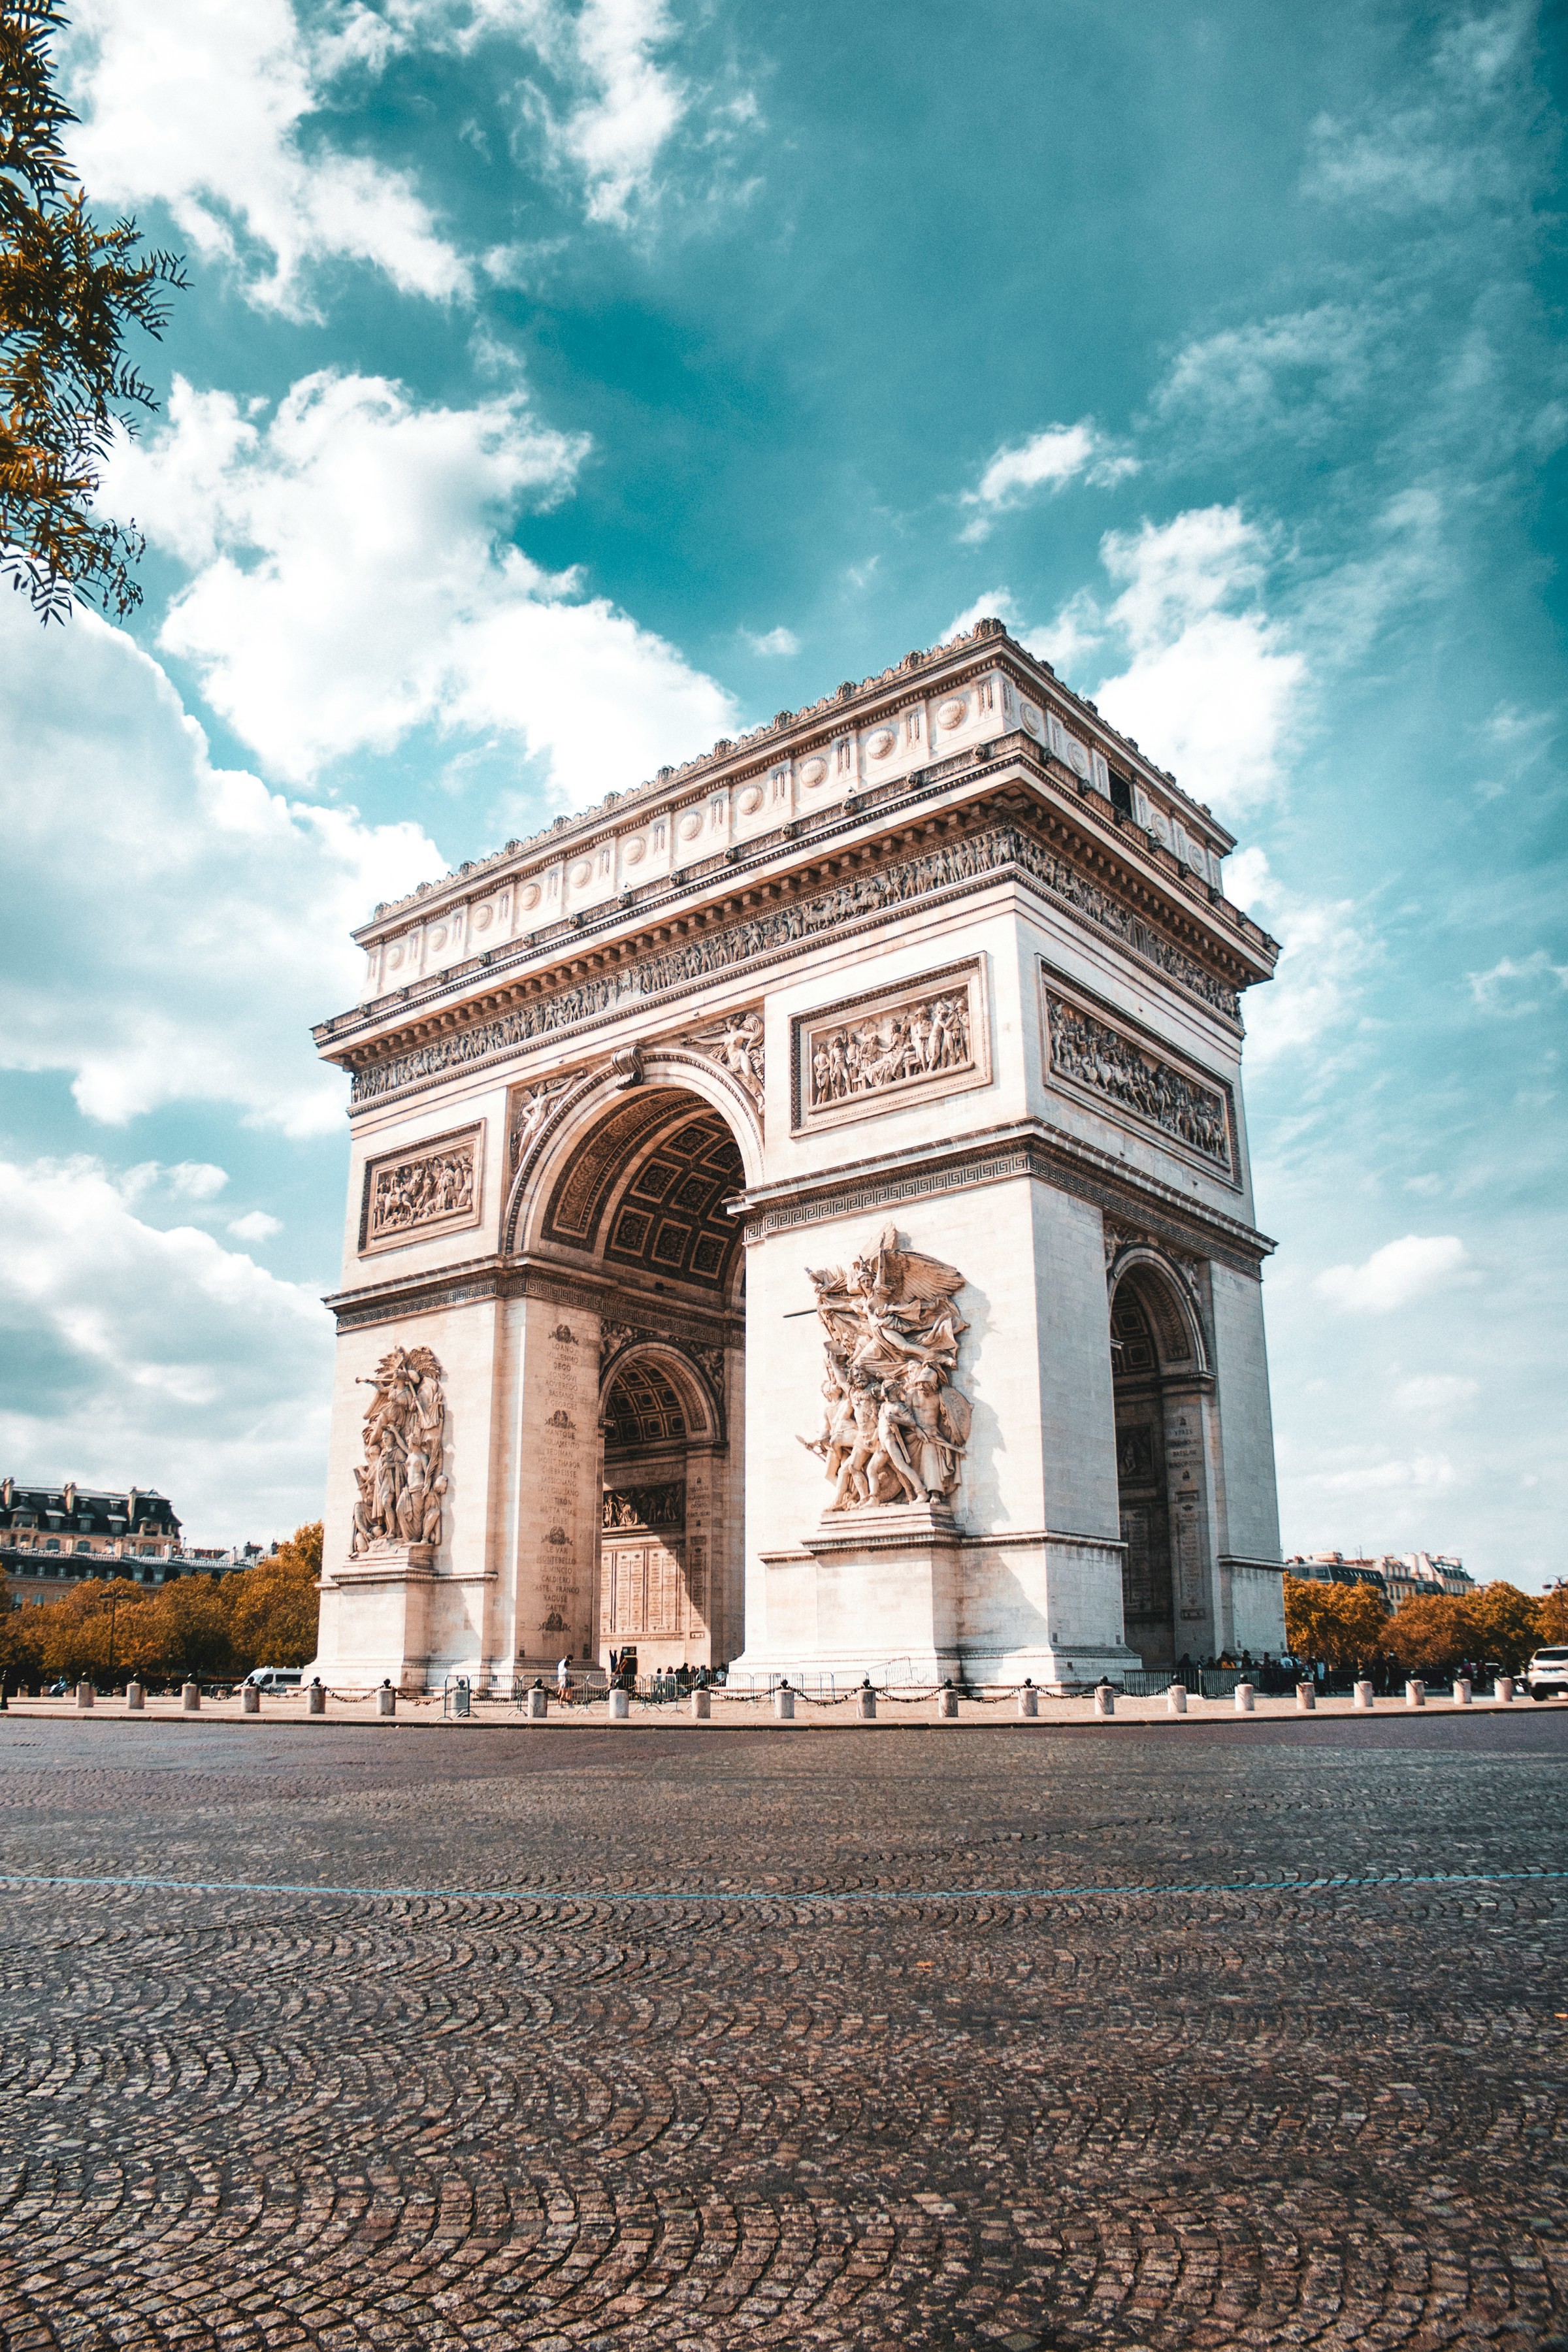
[
  {"x": 1159, "y": 1375},
  {"x": 627, "y": 1189}
]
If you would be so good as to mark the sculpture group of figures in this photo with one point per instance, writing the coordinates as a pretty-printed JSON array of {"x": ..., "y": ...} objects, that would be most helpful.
[
  {"x": 645, "y": 1507},
  {"x": 441, "y": 1184},
  {"x": 894, "y": 1427},
  {"x": 912, "y": 1040},
  {"x": 403, "y": 1480},
  {"x": 1085, "y": 1049}
]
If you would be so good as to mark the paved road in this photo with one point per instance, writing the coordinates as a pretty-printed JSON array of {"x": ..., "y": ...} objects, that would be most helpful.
[{"x": 708, "y": 2122}]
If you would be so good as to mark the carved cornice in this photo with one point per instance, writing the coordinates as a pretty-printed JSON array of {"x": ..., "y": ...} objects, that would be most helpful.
[
  {"x": 782, "y": 927},
  {"x": 478, "y": 1280},
  {"x": 1028, "y": 1147}
]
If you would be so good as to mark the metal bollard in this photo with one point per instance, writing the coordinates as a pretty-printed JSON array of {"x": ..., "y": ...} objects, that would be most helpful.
[
  {"x": 85, "y": 1695},
  {"x": 316, "y": 1700},
  {"x": 537, "y": 1705},
  {"x": 191, "y": 1697},
  {"x": 1504, "y": 1688},
  {"x": 386, "y": 1700},
  {"x": 1416, "y": 1693},
  {"x": 947, "y": 1704},
  {"x": 1176, "y": 1698},
  {"x": 702, "y": 1705},
  {"x": 250, "y": 1700},
  {"x": 1306, "y": 1698},
  {"x": 1362, "y": 1695},
  {"x": 135, "y": 1698},
  {"x": 620, "y": 1705},
  {"x": 1029, "y": 1700},
  {"x": 1462, "y": 1692},
  {"x": 784, "y": 1704},
  {"x": 1104, "y": 1699},
  {"x": 865, "y": 1705}
]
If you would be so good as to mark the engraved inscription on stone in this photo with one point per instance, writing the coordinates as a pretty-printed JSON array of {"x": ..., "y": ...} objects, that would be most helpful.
[
  {"x": 1089, "y": 1053},
  {"x": 430, "y": 1189},
  {"x": 883, "y": 1048}
]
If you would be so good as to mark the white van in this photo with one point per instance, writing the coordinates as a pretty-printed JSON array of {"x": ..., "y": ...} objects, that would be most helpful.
[
  {"x": 282, "y": 1678},
  {"x": 1547, "y": 1673}
]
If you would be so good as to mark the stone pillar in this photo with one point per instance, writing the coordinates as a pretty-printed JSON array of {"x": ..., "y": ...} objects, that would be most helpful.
[
  {"x": 1029, "y": 1700},
  {"x": 1416, "y": 1693},
  {"x": 536, "y": 1704},
  {"x": 1503, "y": 1689},
  {"x": 1104, "y": 1699},
  {"x": 1364, "y": 1694},
  {"x": 191, "y": 1697},
  {"x": 1461, "y": 1690},
  {"x": 85, "y": 1695},
  {"x": 1176, "y": 1699},
  {"x": 1306, "y": 1698},
  {"x": 784, "y": 1704},
  {"x": 702, "y": 1705},
  {"x": 947, "y": 1704},
  {"x": 250, "y": 1700},
  {"x": 386, "y": 1700},
  {"x": 866, "y": 1705},
  {"x": 316, "y": 1699},
  {"x": 135, "y": 1698},
  {"x": 620, "y": 1705},
  {"x": 1245, "y": 1698}
]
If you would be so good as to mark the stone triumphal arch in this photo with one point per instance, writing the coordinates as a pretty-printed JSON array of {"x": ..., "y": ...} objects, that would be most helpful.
[{"x": 800, "y": 1217}]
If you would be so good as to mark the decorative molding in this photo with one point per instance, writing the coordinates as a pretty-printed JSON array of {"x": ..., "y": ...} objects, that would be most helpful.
[
  {"x": 1121, "y": 1069},
  {"x": 997, "y": 853},
  {"x": 426, "y": 1189},
  {"x": 615, "y": 1338},
  {"x": 736, "y": 1045},
  {"x": 486, "y": 1280},
  {"x": 921, "y": 1037}
]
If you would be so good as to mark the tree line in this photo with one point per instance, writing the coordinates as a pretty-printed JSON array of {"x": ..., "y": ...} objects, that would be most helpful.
[
  {"x": 1347, "y": 1628},
  {"x": 195, "y": 1627}
]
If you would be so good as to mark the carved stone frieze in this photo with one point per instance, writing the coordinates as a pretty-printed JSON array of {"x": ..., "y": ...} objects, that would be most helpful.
[
  {"x": 924, "y": 1037},
  {"x": 841, "y": 909},
  {"x": 1093, "y": 1054},
  {"x": 646, "y": 1506},
  {"x": 528, "y": 1108},
  {"x": 402, "y": 1477},
  {"x": 426, "y": 1188},
  {"x": 894, "y": 1427}
]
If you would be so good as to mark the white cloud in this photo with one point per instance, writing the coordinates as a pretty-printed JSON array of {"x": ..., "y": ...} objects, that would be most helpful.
[
  {"x": 1212, "y": 692},
  {"x": 195, "y": 1180},
  {"x": 202, "y": 106},
  {"x": 1047, "y": 461},
  {"x": 1512, "y": 988},
  {"x": 630, "y": 107},
  {"x": 353, "y": 583},
  {"x": 156, "y": 1356},
  {"x": 255, "y": 1226},
  {"x": 1396, "y": 1275},
  {"x": 1385, "y": 1475},
  {"x": 173, "y": 928},
  {"x": 773, "y": 644},
  {"x": 1285, "y": 372},
  {"x": 1433, "y": 1396},
  {"x": 1327, "y": 947},
  {"x": 993, "y": 604}
]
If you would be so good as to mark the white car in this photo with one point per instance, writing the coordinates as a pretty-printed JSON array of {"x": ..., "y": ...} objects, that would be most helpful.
[
  {"x": 282, "y": 1678},
  {"x": 1547, "y": 1673}
]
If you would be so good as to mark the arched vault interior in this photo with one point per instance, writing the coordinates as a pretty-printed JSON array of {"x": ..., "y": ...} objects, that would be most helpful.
[{"x": 646, "y": 1190}]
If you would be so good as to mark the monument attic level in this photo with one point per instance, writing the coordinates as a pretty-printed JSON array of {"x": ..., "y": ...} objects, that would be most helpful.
[{"x": 871, "y": 1086}]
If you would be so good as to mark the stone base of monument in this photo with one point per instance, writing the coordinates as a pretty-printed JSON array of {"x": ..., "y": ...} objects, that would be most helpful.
[
  {"x": 383, "y": 1617},
  {"x": 899, "y": 1593}
]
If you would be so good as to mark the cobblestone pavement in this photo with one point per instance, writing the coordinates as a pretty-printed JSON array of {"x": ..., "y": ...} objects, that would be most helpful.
[{"x": 725, "y": 2116}]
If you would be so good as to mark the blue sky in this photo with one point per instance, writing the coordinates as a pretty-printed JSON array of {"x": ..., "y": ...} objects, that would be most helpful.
[{"x": 563, "y": 385}]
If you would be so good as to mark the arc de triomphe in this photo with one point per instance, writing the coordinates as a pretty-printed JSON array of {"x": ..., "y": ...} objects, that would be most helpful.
[{"x": 800, "y": 1216}]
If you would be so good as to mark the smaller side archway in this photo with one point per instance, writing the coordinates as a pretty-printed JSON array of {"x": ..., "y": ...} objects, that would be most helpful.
[
  {"x": 1162, "y": 1388},
  {"x": 664, "y": 1571}
]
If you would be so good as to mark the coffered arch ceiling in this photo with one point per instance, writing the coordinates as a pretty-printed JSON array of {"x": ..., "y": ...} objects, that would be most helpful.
[{"x": 646, "y": 1188}]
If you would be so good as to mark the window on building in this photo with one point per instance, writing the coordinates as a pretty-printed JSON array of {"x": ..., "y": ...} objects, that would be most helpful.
[
  {"x": 1121, "y": 794},
  {"x": 53, "y": 1543},
  {"x": 82, "y": 1544}
]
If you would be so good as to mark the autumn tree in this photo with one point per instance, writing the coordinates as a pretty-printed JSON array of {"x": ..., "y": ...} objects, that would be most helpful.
[
  {"x": 1508, "y": 1626},
  {"x": 1344, "y": 1626},
  {"x": 1433, "y": 1633},
  {"x": 273, "y": 1607},
  {"x": 1552, "y": 1616},
  {"x": 70, "y": 293}
]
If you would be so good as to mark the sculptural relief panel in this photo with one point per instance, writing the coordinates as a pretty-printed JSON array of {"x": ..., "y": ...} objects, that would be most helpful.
[
  {"x": 872, "y": 1053},
  {"x": 1128, "y": 1074},
  {"x": 895, "y": 1425},
  {"x": 427, "y": 1188},
  {"x": 402, "y": 1477}
]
